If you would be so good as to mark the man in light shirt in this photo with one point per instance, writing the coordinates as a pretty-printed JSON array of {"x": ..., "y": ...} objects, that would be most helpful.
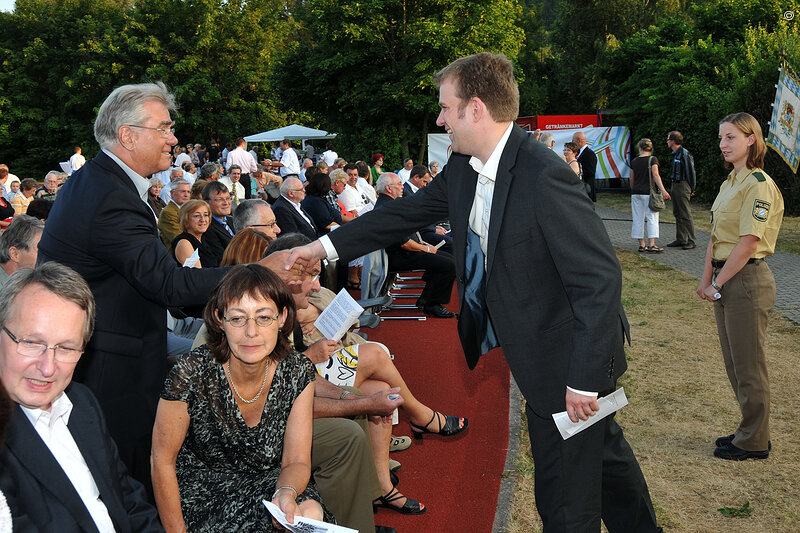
[
  {"x": 77, "y": 160},
  {"x": 537, "y": 275},
  {"x": 289, "y": 164},
  {"x": 59, "y": 464},
  {"x": 231, "y": 181},
  {"x": 240, "y": 157}
]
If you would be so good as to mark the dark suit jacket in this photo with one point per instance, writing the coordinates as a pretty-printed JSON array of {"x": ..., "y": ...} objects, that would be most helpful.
[
  {"x": 588, "y": 161},
  {"x": 101, "y": 228},
  {"x": 41, "y": 496},
  {"x": 290, "y": 221},
  {"x": 553, "y": 281},
  {"x": 215, "y": 240}
]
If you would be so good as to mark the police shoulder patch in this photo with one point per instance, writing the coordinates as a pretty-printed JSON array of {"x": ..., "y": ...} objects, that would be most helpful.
[
  {"x": 760, "y": 210},
  {"x": 760, "y": 176}
]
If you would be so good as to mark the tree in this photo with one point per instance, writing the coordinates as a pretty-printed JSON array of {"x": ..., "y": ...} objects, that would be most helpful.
[{"x": 364, "y": 68}]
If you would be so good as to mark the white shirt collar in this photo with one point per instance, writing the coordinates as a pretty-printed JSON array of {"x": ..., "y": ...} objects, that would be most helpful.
[
  {"x": 413, "y": 188},
  {"x": 140, "y": 182},
  {"x": 489, "y": 169},
  {"x": 61, "y": 407}
]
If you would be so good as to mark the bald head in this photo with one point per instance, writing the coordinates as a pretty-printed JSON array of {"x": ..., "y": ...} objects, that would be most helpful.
[{"x": 579, "y": 138}]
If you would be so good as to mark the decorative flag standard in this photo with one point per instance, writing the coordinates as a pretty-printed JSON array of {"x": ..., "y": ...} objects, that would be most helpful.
[{"x": 783, "y": 128}]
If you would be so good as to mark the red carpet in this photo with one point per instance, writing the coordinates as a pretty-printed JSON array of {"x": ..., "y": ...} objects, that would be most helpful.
[{"x": 457, "y": 478}]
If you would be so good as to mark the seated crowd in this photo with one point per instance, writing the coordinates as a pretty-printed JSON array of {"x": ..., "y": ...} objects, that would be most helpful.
[{"x": 257, "y": 403}]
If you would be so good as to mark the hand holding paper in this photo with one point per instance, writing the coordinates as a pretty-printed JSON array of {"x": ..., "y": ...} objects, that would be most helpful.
[{"x": 608, "y": 405}]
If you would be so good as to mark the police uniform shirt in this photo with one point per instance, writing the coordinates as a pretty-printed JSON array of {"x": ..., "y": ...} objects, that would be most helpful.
[{"x": 748, "y": 203}]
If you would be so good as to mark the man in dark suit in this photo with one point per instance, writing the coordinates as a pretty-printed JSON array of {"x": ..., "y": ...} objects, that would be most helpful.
[
  {"x": 289, "y": 214},
  {"x": 114, "y": 245},
  {"x": 60, "y": 468},
  {"x": 536, "y": 275},
  {"x": 433, "y": 234},
  {"x": 220, "y": 228},
  {"x": 588, "y": 160}
]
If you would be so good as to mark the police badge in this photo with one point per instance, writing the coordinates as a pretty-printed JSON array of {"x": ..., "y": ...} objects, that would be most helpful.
[{"x": 760, "y": 210}]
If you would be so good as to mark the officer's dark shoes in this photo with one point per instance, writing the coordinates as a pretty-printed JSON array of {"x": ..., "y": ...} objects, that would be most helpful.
[
  {"x": 384, "y": 529},
  {"x": 727, "y": 439},
  {"x": 731, "y": 452},
  {"x": 689, "y": 246},
  {"x": 676, "y": 244}
]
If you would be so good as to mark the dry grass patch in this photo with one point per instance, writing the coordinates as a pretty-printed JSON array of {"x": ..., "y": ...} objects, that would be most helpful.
[
  {"x": 680, "y": 401},
  {"x": 788, "y": 240}
]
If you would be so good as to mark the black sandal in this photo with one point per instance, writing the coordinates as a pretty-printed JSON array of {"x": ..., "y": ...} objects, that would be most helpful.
[
  {"x": 654, "y": 249},
  {"x": 410, "y": 507},
  {"x": 452, "y": 426},
  {"x": 642, "y": 248}
]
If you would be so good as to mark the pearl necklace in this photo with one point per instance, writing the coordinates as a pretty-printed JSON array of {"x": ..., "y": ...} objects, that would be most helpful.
[{"x": 233, "y": 385}]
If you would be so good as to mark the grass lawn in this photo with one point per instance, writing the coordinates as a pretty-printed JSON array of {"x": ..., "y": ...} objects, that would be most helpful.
[
  {"x": 788, "y": 239},
  {"x": 680, "y": 401}
]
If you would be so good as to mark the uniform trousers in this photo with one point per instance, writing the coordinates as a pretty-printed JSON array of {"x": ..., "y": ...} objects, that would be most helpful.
[
  {"x": 684, "y": 223},
  {"x": 641, "y": 213},
  {"x": 588, "y": 477},
  {"x": 742, "y": 313},
  {"x": 343, "y": 469}
]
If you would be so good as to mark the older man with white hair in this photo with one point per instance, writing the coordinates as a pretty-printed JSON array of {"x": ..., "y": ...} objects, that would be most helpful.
[{"x": 292, "y": 218}]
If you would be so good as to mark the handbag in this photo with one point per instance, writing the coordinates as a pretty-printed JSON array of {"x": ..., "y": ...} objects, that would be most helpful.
[{"x": 656, "y": 198}]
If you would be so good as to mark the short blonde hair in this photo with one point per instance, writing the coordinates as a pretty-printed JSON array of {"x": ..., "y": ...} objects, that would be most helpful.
[{"x": 188, "y": 209}]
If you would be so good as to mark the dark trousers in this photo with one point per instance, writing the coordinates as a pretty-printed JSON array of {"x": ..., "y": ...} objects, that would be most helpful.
[
  {"x": 684, "y": 224},
  {"x": 245, "y": 181},
  {"x": 591, "y": 476},
  {"x": 440, "y": 273}
]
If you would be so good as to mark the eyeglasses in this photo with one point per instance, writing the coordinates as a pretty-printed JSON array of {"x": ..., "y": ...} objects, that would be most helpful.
[
  {"x": 165, "y": 132},
  {"x": 267, "y": 225},
  {"x": 198, "y": 216},
  {"x": 35, "y": 349},
  {"x": 241, "y": 321}
]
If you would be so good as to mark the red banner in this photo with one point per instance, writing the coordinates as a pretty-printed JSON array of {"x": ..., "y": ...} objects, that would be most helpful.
[{"x": 558, "y": 122}]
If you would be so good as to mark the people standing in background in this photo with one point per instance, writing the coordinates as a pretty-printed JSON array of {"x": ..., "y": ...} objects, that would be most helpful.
[
  {"x": 644, "y": 175},
  {"x": 588, "y": 161},
  {"x": 77, "y": 160},
  {"x": 683, "y": 178}
]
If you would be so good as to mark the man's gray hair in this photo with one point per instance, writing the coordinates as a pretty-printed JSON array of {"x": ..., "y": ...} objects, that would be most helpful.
[
  {"x": 385, "y": 180},
  {"x": 59, "y": 280},
  {"x": 247, "y": 213},
  {"x": 338, "y": 175},
  {"x": 547, "y": 139},
  {"x": 289, "y": 184},
  {"x": 125, "y": 106},
  {"x": 19, "y": 234},
  {"x": 179, "y": 181},
  {"x": 58, "y": 175},
  {"x": 208, "y": 170}
]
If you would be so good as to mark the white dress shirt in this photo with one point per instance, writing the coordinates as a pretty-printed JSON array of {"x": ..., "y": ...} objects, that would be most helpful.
[
  {"x": 52, "y": 428},
  {"x": 76, "y": 161},
  {"x": 297, "y": 208},
  {"x": 290, "y": 163},
  {"x": 238, "y": 156},
  {"x": 404, "y": 174}
]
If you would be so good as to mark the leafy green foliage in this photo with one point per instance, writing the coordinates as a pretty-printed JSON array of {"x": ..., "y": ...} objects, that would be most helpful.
[
  {"x": 364, "y": 68},
  {"x": 736, "y": 512}
]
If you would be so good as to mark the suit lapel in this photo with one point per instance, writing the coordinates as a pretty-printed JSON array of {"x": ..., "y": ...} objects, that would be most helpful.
[
  {"x": 24, "y": 442},
  {"x": 502, "y": 186},
  {"x": 113, "y": 168},
  {"x": 87, "y": 435}
]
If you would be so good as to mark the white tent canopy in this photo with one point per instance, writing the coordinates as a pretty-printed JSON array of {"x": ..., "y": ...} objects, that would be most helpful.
[{"x": 295, "y": 131}]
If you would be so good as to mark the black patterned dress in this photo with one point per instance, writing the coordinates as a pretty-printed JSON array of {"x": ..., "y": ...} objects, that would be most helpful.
[{"x": 224, "y": 467}]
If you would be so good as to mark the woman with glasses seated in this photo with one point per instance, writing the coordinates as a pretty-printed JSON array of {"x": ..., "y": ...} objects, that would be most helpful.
[
  {"x": 194, "y": 217},
  {"x": 234, "y": 421}
]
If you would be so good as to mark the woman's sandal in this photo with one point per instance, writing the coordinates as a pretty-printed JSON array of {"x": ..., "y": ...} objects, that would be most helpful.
[
  {"x": 410, "y": 507},
  {"x": 452, "y": 426},
  {"x": 654, "y": 250},
  {"x": 642, "y": 248}
]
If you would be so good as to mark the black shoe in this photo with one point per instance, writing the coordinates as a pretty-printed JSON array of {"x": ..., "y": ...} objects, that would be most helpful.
[
  {"x": 410, "y": 507},
  {"x": 439, "y": 311},
  {"x": 453, "y": 425},
  {"x": 676, "y": 244},
  {"x": 384, "y": 529},
  {"x": 724, "y": 441},
  {"x": 689, "y": 246},
  {"x": 734, "y": 453}
]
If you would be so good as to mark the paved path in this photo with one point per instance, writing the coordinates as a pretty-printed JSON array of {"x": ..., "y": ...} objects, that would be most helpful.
[{"x": 785, "y": 267}]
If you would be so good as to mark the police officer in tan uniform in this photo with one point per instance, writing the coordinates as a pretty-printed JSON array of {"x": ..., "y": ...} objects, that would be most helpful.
[{"x": 746, "y": 218}]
